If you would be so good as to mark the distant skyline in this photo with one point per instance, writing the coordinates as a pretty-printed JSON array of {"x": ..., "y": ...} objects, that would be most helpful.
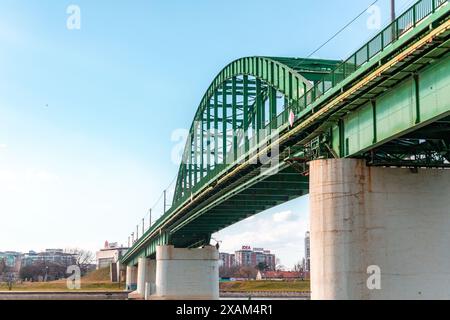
[{"x": 87, "y": 116}]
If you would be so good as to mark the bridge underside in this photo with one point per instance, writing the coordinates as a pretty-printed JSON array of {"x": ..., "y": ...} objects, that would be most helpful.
[
  {"x": 255, "y": 197},
  {"x": 426, "y": 147}
]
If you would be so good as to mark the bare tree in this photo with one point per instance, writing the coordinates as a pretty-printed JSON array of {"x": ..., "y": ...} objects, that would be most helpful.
[
  {"x": 279, "y": 266},
  {"x": 248, "y": 272},
  {"x": 2, "y": 266},
  {"x": 298, "y": 267},
  {"x": 82, "y": 258},
  {"x": 45, "y": 271},
  {"x": 228, "y": 272}
]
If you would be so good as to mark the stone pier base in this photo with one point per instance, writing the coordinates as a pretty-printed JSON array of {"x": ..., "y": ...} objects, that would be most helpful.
[
  {"x": 187, "y": 273},
  {"x": 379, "y": 233}
]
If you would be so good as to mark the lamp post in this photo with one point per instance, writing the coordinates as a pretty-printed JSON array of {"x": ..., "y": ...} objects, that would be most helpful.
[
  {"x": 392, "y": 10},
  {"x": 150, "y": 217},
  {"x": 165, "y": 199},
  {"x": 394, "y": 29}
]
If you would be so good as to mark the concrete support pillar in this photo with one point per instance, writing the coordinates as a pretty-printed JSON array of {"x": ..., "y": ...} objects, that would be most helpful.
[
  {"x": 131, "y": 283},
  {"x": 379, "y": 233},
  {"x": 187, "y": 273},
  {"x": 146, "y": 274}
]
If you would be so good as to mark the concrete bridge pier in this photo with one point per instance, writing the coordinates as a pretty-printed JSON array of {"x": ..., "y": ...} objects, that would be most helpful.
[
  {"x": 379, "y": 233},
  {"x": 191, "y": 274},
  {"x": 131, "y": 281},
  {"x": 146, "y": 274}
]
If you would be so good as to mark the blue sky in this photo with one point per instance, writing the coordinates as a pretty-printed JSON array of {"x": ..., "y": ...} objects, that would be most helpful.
[{"x": 86, "y": 116}]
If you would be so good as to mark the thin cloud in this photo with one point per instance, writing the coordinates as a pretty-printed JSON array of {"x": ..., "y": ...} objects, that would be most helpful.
[{"x": 284, "y": 216}]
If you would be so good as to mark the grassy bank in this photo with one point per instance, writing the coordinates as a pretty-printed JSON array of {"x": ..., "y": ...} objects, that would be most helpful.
[
  {"x": 97, "y": 280},
  {"x": 61, "y": 286},
  {"x": 266, "y": 286}
]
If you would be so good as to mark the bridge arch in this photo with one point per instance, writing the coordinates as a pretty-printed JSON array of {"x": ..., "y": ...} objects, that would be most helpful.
[{"x": 249, "y": 98}]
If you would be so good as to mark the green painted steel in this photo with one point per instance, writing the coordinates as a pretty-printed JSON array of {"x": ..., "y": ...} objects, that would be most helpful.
[
  {"x": 257, "y": 81},
  {"x": 396, "y": 111},
  {"x": 387, "y": 103}
]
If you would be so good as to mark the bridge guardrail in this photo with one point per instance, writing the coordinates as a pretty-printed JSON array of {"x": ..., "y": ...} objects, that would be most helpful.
[{"x": 400, "y": 26}]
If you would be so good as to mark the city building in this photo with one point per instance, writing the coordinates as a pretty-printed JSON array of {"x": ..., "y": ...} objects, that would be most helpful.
[
  {"x": 109, "y": 257},
  {"x": 12, "y": 261},
  {"x": 227, "y": 260},
  {"x": 49, "y": 256},
  {"x": 248, "y": 257},
  {"x": 11, "y": 258},
  {"x": 265, "y": 257},
  {"x": 307, "y": 261}
]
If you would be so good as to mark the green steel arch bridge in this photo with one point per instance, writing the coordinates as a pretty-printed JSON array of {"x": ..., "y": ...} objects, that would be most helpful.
[{"x": 264, "y": 118}]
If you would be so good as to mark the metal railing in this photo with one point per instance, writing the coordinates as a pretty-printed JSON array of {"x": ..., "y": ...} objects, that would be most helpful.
[{"x": 395, "y": 30}]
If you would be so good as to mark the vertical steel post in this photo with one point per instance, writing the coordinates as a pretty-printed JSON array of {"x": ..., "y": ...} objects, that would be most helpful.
[
  {"x": 417, "y": 97},
  {"x": 341, "y": 139},
  {"x": 202, "y": 145},
  {"x": 195, "y": 153},
  {"x": 191, "y": 182},
  {"x": 224, "y": 122},
  {"x": 185, "y": 177},
  {"x": 305, "y": 98},
  {"x": 208, "y": 135},
  {"x": 259, "y": 108},
  {"x": 245, "y": 107},
  {"x": 374, "y": 116},
  {"x": 234, "y": 108},
  {"x": 272, "y": 107},
  {"x": 216, "y": 129}
]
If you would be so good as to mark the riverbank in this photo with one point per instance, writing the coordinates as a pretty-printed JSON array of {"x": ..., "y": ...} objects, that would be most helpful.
[
  {"x": 73, "y": 295},
  {"x": 61, "y": 286},
  {"x": 95, "y": 288}
]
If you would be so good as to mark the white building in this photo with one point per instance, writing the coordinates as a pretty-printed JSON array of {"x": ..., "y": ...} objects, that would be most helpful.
[
  {"x": 110, "y": 257},
  {"x": 111, "y": 253}
]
